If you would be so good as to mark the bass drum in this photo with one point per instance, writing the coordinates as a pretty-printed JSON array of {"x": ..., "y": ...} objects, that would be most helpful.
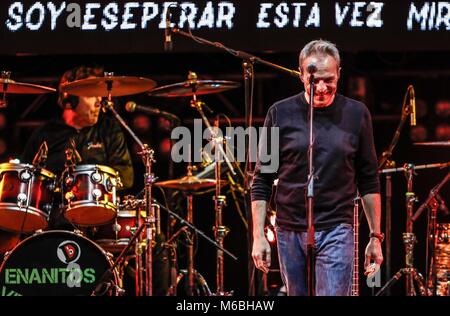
[
  {"x": 57, "y": 263},
  {"x": 8, "y": 241}
]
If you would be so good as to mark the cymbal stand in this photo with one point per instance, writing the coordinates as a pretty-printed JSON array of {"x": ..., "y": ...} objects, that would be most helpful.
[
  {"x": 220, "y": 231},
  {"x": 150, "y": 221},
  {"x": 198, "y": 105},
  {"x": 4, "y": 75},
  {"x": 409, "y": 238},
  {"x": 190, "y": 238}
]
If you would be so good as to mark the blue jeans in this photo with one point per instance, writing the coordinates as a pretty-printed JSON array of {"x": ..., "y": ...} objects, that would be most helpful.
[{"x": 334, "y": 261}]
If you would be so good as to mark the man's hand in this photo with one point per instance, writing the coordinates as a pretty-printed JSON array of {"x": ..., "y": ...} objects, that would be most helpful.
[
  {"x": 261, "y": 254},
  {"x": 374, "y": 257}
]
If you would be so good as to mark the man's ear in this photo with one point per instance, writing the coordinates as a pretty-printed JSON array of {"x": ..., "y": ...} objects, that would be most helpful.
[
  {"x": 339, "y": 72},
  {"x": 301, "y": 74}
]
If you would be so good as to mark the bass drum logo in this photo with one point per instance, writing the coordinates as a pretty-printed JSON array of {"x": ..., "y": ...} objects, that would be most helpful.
[{"x": 68, "y": 251}]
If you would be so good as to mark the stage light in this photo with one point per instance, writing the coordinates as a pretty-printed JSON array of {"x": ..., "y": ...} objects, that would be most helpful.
[
  {"x": 442, "y": 108},
  {"x": 272, "y": 218},
  {"x": 165, "y": 146},
  {"x": 164, "y": 124},
  {"x": 442, "y": 131},
  {"x": 270, "y": 227},
  {"x": 141, "y": 123},
  {"x": 418, "y": 133},
  {"x": 270, "y": 235}
]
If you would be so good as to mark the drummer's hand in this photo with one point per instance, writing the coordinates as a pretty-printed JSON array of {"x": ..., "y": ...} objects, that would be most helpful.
[{"x": 261, "y": 254}]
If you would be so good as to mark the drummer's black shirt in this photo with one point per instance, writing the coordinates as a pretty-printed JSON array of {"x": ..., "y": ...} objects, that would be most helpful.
[
  {"x": 104, "y": 144},
  {"x": 344, "y": 161}
]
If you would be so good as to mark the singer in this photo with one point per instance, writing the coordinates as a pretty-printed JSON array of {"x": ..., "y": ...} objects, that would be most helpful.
[
  {"x": 344, "y": 162},
  {"x": 97, "y": 136}
]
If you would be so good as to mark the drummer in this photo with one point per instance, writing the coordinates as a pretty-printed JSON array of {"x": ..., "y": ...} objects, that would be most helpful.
[{"x": 97, "y": 136}]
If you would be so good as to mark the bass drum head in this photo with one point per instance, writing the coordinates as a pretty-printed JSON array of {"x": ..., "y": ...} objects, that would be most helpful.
[{"x": 54, "y": 263}]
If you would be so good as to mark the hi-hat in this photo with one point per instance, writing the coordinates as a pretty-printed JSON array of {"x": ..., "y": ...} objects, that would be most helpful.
[
  {"x": 439, "y": 143},
  {"x": 116, "y": 85},
  {"x": 11, "y": 86},
  {"x": 194, "y": 87},
  {"x": 188, "y": 183}
]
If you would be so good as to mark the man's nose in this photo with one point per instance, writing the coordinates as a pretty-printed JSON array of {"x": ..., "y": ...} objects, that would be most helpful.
[{"x": 321, "y": 86}]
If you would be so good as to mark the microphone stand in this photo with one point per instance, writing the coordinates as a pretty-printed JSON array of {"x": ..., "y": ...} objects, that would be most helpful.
[
  {"x": 310, "y": 243},
  {"x": 248, "y": 62},
  {"x": 149, "y": 178},
  {"x": 385, "y": 162}
]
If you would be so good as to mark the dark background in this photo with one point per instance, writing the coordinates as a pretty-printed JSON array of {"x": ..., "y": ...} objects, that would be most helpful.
[{"x": 376, "y": 72}]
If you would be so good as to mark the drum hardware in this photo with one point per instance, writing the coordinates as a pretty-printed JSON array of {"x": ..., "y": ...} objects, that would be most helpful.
[
  {"x": 193, "y": 87},
  {"x": 9, "y": 86},
  {"x": 409, "y": 239},
  {"x": 444, "y": 143},
  {"x": 188, "y": 184},
  {"x": 385, "y": 162},
  {"x": 202, "y": 87},
  {"x": 109, "y": 86},
  {"x": 195, "y": 230}
]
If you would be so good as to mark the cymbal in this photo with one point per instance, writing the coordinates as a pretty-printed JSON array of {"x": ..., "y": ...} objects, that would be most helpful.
[
  {"x": 190, "y": 87},
  {"x": 98, "y": 86},
  {"x": 188, "y": 183},
  {"x": 11, "y": 86},
  {"x": 439, "y": 143}
]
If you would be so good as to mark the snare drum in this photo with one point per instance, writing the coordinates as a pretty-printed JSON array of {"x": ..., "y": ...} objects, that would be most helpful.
[
  {"x": 115, "y": 237},
  {"x": 90, "y": 195},
  {"x": 26, "y": 195},
  {"x": 56, "y": 263}
]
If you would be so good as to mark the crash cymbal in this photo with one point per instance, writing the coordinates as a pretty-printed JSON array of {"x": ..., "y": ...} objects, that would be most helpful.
[
  {"x": 188, "y": 183},
  {"x": 117, "y": 85},
  {"x": 11, "y": 86},
  {"x": 439, "y": 143},
  {"x": 190, "y": 87}
]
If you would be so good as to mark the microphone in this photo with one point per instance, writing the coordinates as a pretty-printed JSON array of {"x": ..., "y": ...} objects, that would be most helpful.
[
  {"x": 41, "y": 156},
  {"x": 412, "y": 104},
  {"x": 131, "y": 106},
  {"x": 312, "y": 68},
  {"x": 168, "y": 33}
]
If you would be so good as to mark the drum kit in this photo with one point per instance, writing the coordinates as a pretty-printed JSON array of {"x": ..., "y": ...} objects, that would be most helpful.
[
  {"x": 59, "y": 262},
  {"x": 91, "y": 260}
]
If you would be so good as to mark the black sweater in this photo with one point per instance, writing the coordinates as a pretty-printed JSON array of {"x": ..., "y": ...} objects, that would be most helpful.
[{"x": 344, "y": 160}]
